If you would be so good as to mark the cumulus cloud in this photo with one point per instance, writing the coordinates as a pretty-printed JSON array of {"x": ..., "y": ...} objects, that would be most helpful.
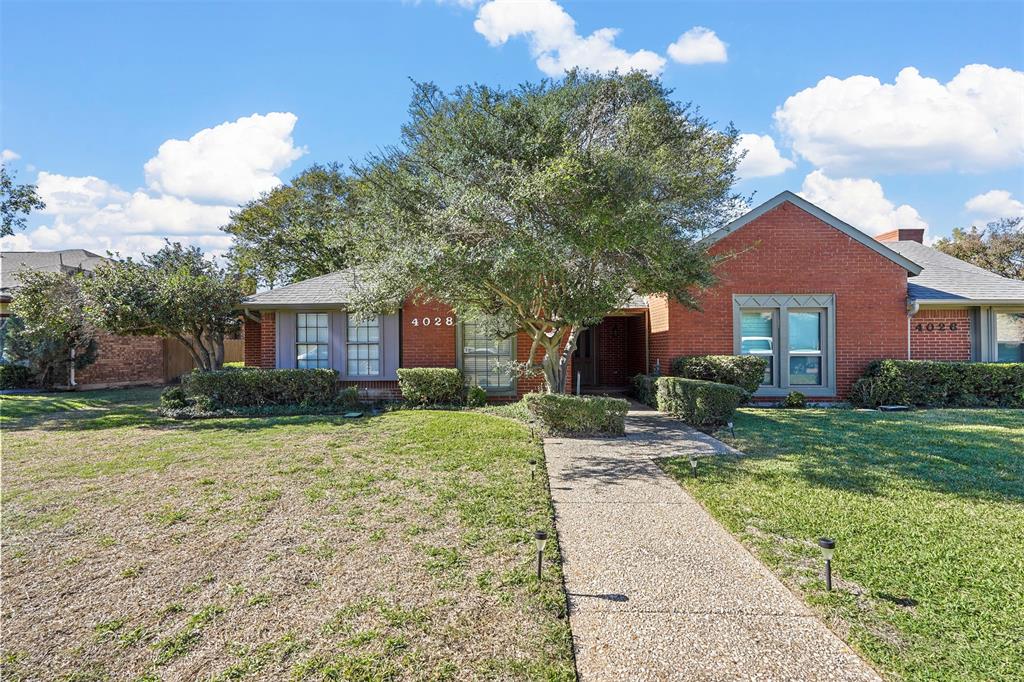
[
  {"x": 995, "y": 204},
  {"x": 193, "y": 187},
  {"x": 699, "y": 45},
  {"x": 860, "y": 202},
  {"x": 9, "y": 155},
  {"x": 975, "y": 122},
  {"x": 762, "y": 157},
  {"x": 228, "y": 163},
  {"x": 553, "y": 39}
]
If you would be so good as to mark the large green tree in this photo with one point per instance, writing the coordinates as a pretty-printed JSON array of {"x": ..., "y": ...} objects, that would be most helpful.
[
  {"x": 49, "y": 329},
  {"x": 16, "y": 202},
  {"x": 544, "y": 208},
  {"x": 998, "y": 247},
  {"x": 176, "y": 292},
  {"x": 294, "y": 231}
]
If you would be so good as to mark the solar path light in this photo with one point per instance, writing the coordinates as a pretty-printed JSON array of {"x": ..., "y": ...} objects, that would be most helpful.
[
  {"x": 533, "y": 469},
  {"x": 828, "y": 546},
  {"x": 693, "y": 466},
  {"x": 542, "y": 539}
]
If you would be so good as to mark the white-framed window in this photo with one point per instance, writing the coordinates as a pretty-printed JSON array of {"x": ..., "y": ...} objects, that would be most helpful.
[
  {"x": 312, "y": 340},
  {"x": 795, "y": 333},
  {"x": 362, "y": 346},
  {"x": 486, "y": 359},
  {"x": 1009, "y": 337}
]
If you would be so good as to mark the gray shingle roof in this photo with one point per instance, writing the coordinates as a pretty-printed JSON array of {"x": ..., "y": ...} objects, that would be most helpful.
[
  {"x": 333, "y": 289},
  {"x": 69, "y": 260},
  {"x": 945, "y": 278}
]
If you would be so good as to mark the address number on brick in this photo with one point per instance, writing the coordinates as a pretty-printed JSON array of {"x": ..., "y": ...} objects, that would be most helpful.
[
  {"x": 433, "y": 321},
  {"x": 936, "y": 327}
]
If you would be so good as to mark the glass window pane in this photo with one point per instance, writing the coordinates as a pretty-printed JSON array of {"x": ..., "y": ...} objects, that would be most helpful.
[
  {"x": 1009, "y": 337},
  {"x": 757, "y": 337},
  {"x": 485, "y": 358},
  {"x": 805, "y": 370},
  {"x": 804, "y": 331}
]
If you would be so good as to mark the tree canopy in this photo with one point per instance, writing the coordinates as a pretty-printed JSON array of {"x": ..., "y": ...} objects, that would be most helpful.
[
  {"x": 999, "y": 247},
  {"x": 544, "y": 208},
  {"x": 175, "y": 292},
  {"x": 294, "y": 231},
  {"x": 16, "y": 202}
]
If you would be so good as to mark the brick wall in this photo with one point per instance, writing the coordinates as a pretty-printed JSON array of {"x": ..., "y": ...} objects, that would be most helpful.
[
  {"x": 251, "y": 343},
  {"x": 789, "y": 251},
  {"x": 125, "y": 360},
  {"x": 620, "y": 349},
  {"x": 268, "y": 340},
  {"x": 428, "y": 340},
  {"x": 941, "y": 335}
]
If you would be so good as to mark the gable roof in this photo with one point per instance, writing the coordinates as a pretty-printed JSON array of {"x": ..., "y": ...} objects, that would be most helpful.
[
  {"x": 825, "y": 217},
  {"x": 12, "y": 263},
  {"x": 946, "y": 279},
  {"x": 331, "y": 290}
]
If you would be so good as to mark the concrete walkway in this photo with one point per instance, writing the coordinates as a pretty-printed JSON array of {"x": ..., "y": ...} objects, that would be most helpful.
[{"x": 657, "y": 589}]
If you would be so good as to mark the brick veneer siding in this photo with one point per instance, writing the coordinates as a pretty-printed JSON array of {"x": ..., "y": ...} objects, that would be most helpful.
[
  {"x": 268, "y": 340},
  {"x": 945, "y": 335},
  {"x": 620, "y": 350},
  {"x": 428, "y": 345},
  {"x": 124, "y": 360},
  {"x": 251, "y": 343},
  {"x": 789, "y": 251}
]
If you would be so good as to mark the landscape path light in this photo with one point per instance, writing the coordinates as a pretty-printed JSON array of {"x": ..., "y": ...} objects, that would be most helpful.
[
  {"x": 542, "y": 539},
  {"x": 828, "y": 546},
  {"x": 533, "y": 469},
  {"x": 693, "y": 466}
]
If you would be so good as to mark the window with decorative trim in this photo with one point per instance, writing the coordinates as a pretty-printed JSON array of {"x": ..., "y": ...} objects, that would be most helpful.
[
  {"x": 362, "y": 346},
  {"x": 486, "y": 360},
  {"x": 795, "y": 333},
  {"x": 312, "y": 340}
]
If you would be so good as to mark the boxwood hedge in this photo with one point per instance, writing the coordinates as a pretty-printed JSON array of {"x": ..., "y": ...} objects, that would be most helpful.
[
  {"x": 923, "y": 383},
  {"x": 705, "y": 405},
  {"x": 253, "y": 387},
  {"x": 432, "y": 385},
  {"x": 745, "y": 371},
  {"x": 576, "y": 415}
]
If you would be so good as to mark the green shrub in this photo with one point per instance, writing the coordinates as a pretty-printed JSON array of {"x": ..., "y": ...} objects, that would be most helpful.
[
  {"x": 645, "y": 390},
  {"x": 923, "y": 383},
  {"x": 347, "y": 398},
  {"x": 476, "y": 397},
  {"x": 252, "y": 387},
  {"x": 745, "y": 371},
  {"x": 15, "y": 376},
  {"x": 574, "y": 415},
  {"x": 173, "y": 398},
  {"x": 705, "y": 405},
  {"x": 794, "y": 401},
  {"x": 431, "y": 385}
]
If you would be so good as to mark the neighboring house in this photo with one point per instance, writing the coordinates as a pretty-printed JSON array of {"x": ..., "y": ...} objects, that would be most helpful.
[
  {"x": 121, "y": 360},
  {"x": 815, "y": 296}
]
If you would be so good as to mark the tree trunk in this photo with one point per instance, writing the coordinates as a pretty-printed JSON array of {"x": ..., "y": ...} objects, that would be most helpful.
[{"x": 556, "y": 359}]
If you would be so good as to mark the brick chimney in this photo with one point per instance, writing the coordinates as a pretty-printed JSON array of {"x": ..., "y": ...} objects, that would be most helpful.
[{"x": 904, "y": 234}]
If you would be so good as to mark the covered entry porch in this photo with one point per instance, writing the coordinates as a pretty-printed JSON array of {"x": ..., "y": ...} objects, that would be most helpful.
[{"x": 610, "y": 354}]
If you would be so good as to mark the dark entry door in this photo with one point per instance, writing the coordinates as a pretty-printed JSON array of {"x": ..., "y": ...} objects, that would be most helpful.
[{"x": 583, "y": 358}]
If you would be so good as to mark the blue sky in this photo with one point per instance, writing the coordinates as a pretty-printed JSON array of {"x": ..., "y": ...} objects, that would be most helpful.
[{"x": 91, "y": 92}]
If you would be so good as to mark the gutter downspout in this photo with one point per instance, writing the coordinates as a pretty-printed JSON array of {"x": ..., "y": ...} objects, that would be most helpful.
[{"x": 912, "y": 307}]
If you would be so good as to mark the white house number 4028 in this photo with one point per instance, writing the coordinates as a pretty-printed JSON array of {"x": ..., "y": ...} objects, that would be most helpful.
[{"x": 433, "y": 321}]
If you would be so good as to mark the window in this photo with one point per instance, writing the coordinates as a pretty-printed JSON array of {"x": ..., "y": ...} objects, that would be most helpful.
[
  {"x": 758, "y": 334},
  {"x": 1009, "y": 337},
  {"x": 795, "y": 334},
  {"x": 486, "y": 360},
  {"x": 311, "y": 340},
  {"x": 363, "y": 346}
]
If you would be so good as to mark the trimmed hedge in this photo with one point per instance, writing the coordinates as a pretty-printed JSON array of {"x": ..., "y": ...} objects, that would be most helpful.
[
  {"x": 253, "y": 387},
  {"x": 745, "y": 371},
  {"x": 575, "y": 415},
  {"x": 923, "y": 383},
  {"x": 15, "y": 376},
  {"x": 705, "y": 405},
  {"x": 645, "y": 390},
  {"x": 431, "y": 385}
]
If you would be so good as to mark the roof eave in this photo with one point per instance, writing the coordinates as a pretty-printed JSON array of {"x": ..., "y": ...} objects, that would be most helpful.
[{"x": 968, "y": 302}]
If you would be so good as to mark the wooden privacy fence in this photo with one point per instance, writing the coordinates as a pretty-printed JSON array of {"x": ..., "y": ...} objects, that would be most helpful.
[{"x": 178, "y": 361}]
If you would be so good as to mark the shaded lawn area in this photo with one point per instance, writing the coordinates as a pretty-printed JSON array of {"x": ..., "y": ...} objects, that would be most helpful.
[
  {"x": 927, "y": 510},
  {"x": 305, "y": 548}
]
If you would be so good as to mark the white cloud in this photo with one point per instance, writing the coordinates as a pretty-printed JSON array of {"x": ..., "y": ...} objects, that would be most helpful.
[
  {"x": 229, "y": 163},
  {"x": 860, "y": 202},
  {"x": 975, "y": 122},
  {"x": 193, "y": 187},
  {"x": 9, "y": 155},
  {"x": 553, "y": 39},
  {"x": 762, "y": 157},
  {"x": 699, "y": 45},
  {"x": 994, "y": 204}
]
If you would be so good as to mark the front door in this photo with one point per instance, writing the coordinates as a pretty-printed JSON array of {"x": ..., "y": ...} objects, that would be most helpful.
[{"x": 583, "y": 362}]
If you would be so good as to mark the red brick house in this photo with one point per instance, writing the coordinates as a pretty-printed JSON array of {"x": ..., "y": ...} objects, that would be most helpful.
[{"x": 815, "y": 296}]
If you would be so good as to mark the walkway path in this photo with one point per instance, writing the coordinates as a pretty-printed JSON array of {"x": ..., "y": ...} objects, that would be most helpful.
[{"x": 657, "y": 589}]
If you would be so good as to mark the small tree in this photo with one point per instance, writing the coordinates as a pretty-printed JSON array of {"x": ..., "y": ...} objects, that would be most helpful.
[
  {"x": 545, "y": 208},
  {"x": 294, "y": 231},
  {"x": 175, "y": 292},
  {"x": 50, "y": 330},
  {"x": 16, "y": 202},
  {"x": 998, "y": 248}
]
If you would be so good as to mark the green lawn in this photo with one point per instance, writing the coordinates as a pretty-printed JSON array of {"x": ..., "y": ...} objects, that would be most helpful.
[
  {"x": 927, "y": 510},
  {"x": 305, "y": 548}
]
